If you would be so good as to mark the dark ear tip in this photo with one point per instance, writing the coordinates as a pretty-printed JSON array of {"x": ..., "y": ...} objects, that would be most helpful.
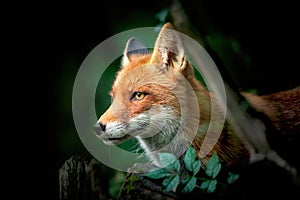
[
  {"x": 132, "y": 39},
  {"x": 134, "y": 46},
  {"x": 134, "y": 42}
]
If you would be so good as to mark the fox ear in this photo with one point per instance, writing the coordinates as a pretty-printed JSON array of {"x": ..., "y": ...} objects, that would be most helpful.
[
  {"x": 133, "y": 47},
  {"x": 168, "y": 49}
]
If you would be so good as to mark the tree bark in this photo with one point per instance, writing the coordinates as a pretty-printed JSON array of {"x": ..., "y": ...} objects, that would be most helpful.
[{"x": 80, "y": 178}]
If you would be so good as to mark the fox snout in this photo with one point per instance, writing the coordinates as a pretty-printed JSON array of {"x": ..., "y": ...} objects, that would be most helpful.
[{"x": 99, "y": 128}]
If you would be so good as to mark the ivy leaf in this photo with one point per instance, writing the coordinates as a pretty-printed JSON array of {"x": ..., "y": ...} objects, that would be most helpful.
[
  {"x": 196, "y": 166},
  {"x": 209, "y": 185},
  {"x": 213, "y": 166},
  {"x": 189, "y": 158},
  {"x": 169, "y": 161},
  {"x": 232, "y": 177},
  {"x": 171, "y": 183},
  {"x": 158, "y": 173},
  {"x": 190, "y": 185}
]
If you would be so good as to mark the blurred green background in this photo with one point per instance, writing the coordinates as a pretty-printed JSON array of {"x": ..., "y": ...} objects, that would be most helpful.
[{"x": 251, "y": 43}]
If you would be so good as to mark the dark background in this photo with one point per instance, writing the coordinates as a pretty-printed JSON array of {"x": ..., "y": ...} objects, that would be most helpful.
[{"x": 63, "y": 36}]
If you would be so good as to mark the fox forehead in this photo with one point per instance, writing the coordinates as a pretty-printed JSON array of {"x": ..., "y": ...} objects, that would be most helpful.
[
  {"x": 126, "y": 75},
  {"x": 139, "y": 73}
]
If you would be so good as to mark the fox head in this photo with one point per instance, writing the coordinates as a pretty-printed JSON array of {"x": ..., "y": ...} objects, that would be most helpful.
[{"x": 154, "y": 97}]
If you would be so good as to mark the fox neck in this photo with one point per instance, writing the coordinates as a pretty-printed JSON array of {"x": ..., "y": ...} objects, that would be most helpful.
[
  {"x": 177, "y": 135},
  {"x": 170, "y": 139}
]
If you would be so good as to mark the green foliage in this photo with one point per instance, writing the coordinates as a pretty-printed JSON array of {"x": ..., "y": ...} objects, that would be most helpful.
[
  {"x": 232, "y": 177},
  {"x": 190, "y": 159},
  {"x": 191, "y": 184},
  {"x": 172, "y": 176},
  {"x": 213, "y": 166},
  {"x": 193, "y": 165},
  {"x": 170, "y": 172},
  {"x": 158, "y": 173},
  {"x": 170, "y": 183},
  {"x": 209, "y": 185},
  {"x": 130, "y": 185},
  {"x": 169, "y": 161}
]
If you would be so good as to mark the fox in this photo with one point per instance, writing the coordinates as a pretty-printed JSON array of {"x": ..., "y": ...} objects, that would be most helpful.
[{"x": 157, "y": 99}]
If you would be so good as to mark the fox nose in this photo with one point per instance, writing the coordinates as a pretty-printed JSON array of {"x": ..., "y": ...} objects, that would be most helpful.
[{"x": 99, "y": 128}]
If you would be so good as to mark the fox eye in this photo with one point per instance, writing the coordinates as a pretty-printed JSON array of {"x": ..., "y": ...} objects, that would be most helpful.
[{"x": 138, "y": 96}]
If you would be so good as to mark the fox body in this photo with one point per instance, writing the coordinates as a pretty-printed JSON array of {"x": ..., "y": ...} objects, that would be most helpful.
[{"x": 157, "y": 99}]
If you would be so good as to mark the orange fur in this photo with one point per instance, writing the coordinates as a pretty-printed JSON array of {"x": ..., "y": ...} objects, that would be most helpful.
[
  {"x": 161, "y": 77},
  {"x": 282, "y": 108}
]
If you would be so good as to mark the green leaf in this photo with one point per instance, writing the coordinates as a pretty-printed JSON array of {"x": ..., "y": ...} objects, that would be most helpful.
[
  {"x": 166, "y": 158},
  {"x": 158, "y": 173},
  {"x": 190, "y": 185},
  {"x": 212, "y": 186},
  {"x": 175, "y": 165},
  {"x": 204, "y": 185},
  {"x": 209, "y": 185},
  {"x": 171, "y": 183},
  {"x": 213, "y": 166},
  {"x": 186, "y": 179},
  {"x": 216, "y": 170},
  {"x": 189, "y": 158},
  {"x": 232, "y": 177},
  {"x": 196, "y": 166},
  {"x": 167, "y": 180},
  {"x": 169, "y": 161}
]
